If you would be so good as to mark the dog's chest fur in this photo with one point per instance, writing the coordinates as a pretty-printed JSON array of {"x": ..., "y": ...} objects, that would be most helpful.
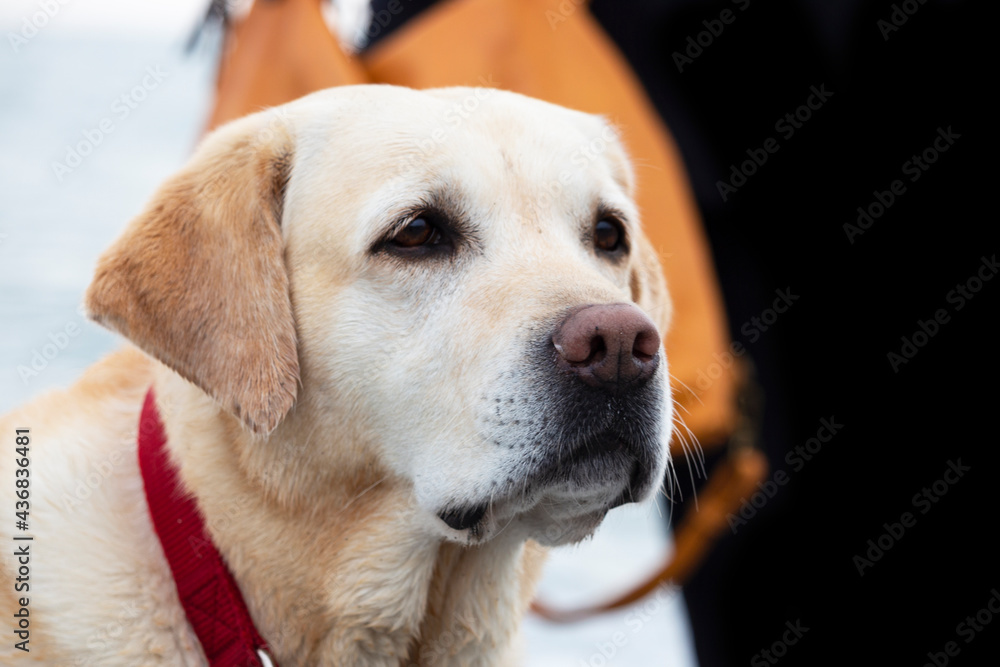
[{"x": 342, "y": 592}]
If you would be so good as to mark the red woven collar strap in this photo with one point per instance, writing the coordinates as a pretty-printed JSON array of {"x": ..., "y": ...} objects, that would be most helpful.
[{"x": 211, "y": 599}]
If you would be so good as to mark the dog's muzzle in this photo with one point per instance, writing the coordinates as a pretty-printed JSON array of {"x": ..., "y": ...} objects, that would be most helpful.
[{"x": 587, "y": 433}]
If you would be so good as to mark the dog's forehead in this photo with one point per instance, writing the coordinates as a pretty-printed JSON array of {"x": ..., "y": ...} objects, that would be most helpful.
[
  {"x": 378, "y": 150},
  {"x": 396, "y": 129},
  {"x": 444, "y": 108}
]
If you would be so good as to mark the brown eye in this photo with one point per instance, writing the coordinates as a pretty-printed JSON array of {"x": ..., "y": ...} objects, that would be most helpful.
[
  {"x": 419, "y": 232},
  {"x": 608, "y": 235}
]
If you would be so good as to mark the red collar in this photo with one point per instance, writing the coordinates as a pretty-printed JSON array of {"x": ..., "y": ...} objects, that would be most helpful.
[{"x": 211, "y": 599}]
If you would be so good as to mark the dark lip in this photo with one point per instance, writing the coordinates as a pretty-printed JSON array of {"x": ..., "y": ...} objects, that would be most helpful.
[
  {"x": 465, "y": 518},
  {"x": 590, "y": 449},
  {"x": 591, "y": 457},
  {"x": 603, "y": 445},
  {"x": 596, "y": 457},
  {"x": 590, "y": 460},
  {"x": 640, "y": 475}
]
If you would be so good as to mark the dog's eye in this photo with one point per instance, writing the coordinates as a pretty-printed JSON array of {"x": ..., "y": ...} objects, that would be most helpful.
[
  {"x": 419, "y": 232},
  {"x": 608, "y": 235}
]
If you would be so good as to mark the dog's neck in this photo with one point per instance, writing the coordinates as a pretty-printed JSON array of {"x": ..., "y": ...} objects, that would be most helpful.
[{"x": 338, "y": 566}]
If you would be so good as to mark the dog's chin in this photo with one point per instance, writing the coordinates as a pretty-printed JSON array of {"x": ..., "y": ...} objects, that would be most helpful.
[
  {"x": 559, "y": 503},
  {"x": 536, "y": 524}
]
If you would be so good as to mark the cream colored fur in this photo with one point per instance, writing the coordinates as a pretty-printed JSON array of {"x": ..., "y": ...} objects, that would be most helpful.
[{"x": 322, "y": 402}]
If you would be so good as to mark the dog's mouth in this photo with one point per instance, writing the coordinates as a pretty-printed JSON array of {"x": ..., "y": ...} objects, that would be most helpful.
[
  {"x": 465, "y": 518},
  {"x": 566, "y": 489},
  {"x": 595, "y": 464}
]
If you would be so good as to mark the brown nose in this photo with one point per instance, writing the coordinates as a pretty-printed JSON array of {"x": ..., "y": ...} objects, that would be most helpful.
[{"x": 609, "y": 346}]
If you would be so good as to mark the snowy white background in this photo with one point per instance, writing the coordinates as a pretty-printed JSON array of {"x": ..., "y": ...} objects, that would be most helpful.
[{"x": 62, "y": 72}]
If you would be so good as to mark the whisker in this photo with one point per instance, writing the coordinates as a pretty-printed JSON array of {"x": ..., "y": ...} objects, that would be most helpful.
[{"x": 685, "y": 386}]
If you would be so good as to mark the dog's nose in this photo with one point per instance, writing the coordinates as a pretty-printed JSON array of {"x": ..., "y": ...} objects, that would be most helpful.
[{"x": 609, "y": 346}]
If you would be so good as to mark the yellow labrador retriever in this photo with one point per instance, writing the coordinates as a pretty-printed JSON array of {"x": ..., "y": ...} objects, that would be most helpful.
[{"x": 397, "y": 341}]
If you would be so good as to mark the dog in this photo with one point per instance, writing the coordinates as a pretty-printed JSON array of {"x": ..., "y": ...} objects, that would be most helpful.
[{"x": 399, "y": 341}]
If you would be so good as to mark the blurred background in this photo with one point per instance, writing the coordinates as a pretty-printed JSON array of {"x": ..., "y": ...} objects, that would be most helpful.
[{"x": 794, "y": 120}]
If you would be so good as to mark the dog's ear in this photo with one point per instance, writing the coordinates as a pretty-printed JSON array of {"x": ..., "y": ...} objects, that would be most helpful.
[
  {"x": 647, "y": 284},
  {"x": 198, "y": 279}
]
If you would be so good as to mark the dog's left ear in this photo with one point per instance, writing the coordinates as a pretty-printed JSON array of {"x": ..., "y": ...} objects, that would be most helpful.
[
  {"x": 198, "y": 279},
  {"x": 647, "y": 284}
]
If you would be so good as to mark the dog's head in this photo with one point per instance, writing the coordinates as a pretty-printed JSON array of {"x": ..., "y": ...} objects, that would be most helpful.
[{"x": 449, "y": 285}]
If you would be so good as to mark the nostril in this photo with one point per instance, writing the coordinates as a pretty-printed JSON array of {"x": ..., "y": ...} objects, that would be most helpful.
[
  {"x": 598, "y": 349},
  {"x": 582, "y": 350},
  {"x": 646, "y": 345}
]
